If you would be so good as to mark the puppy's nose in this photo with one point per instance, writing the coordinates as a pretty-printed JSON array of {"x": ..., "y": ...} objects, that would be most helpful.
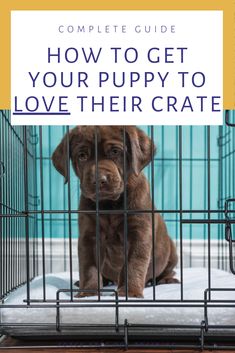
[{"x": 102, "y": 180}]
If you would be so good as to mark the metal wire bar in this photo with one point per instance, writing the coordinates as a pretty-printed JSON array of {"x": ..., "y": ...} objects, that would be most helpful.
[
  {"x": 153, "y": 214},
  {"x": 50, "y": 199},
  {"x": 181, "y": 214},
  {"x": 42, "y": 216},
  {"x": 125, "y": 247},
  {"x": 97, "y": 212},
  {"x": 208, "y": 206},
  {"x": 64, "y": 228},
  {"x": 69, "y": 212},
  {"x": 120, "y": 211},
  {"x": 26, "y": 218}
]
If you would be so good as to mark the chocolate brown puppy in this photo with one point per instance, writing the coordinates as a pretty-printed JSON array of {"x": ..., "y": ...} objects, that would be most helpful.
[{"x": 110, "y": 188}]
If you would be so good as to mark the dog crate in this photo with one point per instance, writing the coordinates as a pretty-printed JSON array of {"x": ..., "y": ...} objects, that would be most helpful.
[{"x": 192, "y": 185}]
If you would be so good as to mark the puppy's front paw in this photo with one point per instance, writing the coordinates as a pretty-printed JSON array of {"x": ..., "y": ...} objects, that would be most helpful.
[
  {"x": 168, "y": 281},
  {"x": 131, "y": 293},
  {"x": 84, "y": 294},
  {"x": 87, "y": 293}
]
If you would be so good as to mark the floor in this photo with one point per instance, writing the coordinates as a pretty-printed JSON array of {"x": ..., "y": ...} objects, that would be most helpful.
[
  {"x": 7, "y": 346},
  {"x": 74, "y": 350}
]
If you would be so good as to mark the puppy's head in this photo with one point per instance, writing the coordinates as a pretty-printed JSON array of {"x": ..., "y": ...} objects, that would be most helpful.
[{"x": 107, "y": 179}]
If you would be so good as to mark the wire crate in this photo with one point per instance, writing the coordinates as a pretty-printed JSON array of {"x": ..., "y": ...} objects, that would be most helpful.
[{"x": 192, "y": 185}]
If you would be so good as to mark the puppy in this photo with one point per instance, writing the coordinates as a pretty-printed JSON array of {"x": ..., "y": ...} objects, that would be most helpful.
[{"x": 110, "y": 187}]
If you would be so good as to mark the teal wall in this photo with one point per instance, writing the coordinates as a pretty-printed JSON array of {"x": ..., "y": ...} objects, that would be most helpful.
[{"x": 166, "y": 177}]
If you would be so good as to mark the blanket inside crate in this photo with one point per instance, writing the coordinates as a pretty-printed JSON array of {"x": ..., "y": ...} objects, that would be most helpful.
[{"x": 193, "y": 281}]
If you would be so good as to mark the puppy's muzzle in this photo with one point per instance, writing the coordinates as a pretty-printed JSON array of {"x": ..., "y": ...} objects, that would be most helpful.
[{"x": 106, "y": 184}]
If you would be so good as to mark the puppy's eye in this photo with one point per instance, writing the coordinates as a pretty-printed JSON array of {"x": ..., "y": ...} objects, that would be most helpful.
[
  {"x": 114, "y": 152},
  {"x": 82, "y": 156}
]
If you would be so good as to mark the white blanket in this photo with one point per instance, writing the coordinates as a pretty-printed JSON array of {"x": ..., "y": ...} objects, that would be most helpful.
[{"x": 195, "y": 281}]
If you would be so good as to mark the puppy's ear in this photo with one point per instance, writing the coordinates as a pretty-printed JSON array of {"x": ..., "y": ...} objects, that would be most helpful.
[
  {"x": 141, "y": 147},
  {"x": 61, "y": 156}
]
